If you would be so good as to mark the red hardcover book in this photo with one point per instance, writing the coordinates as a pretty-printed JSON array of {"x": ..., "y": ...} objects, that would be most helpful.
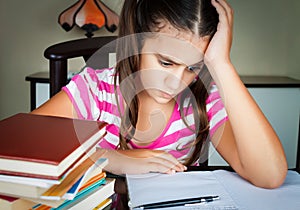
[{"x": 45, "y": 146}]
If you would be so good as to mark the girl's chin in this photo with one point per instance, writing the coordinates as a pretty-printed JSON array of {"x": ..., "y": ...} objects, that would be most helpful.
[{"x": 162, "y": 100}]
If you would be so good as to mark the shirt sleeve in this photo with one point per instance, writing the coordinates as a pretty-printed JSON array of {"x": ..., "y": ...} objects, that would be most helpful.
[
  {"x": 216, "y": 112},
  {"x": 84, "y": 93}
]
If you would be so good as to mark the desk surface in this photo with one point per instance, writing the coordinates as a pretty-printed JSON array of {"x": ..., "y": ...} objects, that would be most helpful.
[{"x": 270, "y": 81}]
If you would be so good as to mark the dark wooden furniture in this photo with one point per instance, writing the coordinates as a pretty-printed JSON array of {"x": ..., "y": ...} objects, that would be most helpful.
[
  {"x": 270, "y": 81},
  {"x": 59, "y": 54},
  {"x": 39, "y": 77}
]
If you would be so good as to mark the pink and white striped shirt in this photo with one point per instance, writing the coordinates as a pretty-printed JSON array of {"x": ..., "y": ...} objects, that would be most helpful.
[{"x": 92, "y": 95}]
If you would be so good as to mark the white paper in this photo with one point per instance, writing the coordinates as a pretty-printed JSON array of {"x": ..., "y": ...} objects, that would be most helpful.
[
  {"x": 234, "y": 192},
  {"x": 248, "y": 196},
  {"x": 155, "y": 187}
]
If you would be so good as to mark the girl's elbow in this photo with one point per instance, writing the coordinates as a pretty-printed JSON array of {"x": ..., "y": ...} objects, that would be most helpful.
[
  {"x": 272, "y": 179},
  {"x": 276, "y": 171},
  {"x": 275, "y": 182},
  {"x": 279, "y": 177}
]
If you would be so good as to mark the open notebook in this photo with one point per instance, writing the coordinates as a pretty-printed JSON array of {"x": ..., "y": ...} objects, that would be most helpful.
[{"x": 234, "y": 192}]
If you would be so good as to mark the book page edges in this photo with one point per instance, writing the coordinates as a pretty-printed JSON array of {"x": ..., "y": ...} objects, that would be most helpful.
[{"x": 46, "y": 169}]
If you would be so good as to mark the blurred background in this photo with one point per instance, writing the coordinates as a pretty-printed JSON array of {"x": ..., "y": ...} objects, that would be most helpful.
[{"x": 266, "y": 42}]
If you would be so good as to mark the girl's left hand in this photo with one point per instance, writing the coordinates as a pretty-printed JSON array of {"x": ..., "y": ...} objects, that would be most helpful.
[{"x": 218, "y": 50}]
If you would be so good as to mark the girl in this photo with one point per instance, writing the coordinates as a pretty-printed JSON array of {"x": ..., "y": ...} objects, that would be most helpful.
[{"x": 172, "y": 90}]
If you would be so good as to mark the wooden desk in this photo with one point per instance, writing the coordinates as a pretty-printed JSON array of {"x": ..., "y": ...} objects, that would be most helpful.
[
  {"x": 270, "y": 81},
  {"x": 39, "y": 77}
]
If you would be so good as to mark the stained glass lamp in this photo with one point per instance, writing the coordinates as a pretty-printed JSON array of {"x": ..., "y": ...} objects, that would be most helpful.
[{"x": 89, "y": 15}]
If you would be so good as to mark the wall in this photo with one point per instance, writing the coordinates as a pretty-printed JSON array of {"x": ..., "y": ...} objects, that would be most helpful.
[
  {"x": 267, "y": 37},
  {"x": 27, "y": 29},
  {"x": 266, "y": 42},
  {"x": 293, "y": 39}
]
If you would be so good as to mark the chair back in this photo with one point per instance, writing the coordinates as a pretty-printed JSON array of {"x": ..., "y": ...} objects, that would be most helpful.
[{"x": 59, "y": 54}]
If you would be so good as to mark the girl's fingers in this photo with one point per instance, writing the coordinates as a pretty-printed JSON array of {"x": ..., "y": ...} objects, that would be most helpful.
[
  {"x": 176, "y": 164},
  {"x": 162, "y": 168},
  {"x": 225, "y": 17},
  {"x": 165, "y": 162},
  {"x": 224, "y": 11},
  {"x": 144, "y": 161},
  {"x": 228, "y": 9},
  {"x": 220, "y": 9}
]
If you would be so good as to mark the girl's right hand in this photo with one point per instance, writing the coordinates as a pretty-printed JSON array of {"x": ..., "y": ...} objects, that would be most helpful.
[
  {"x": 218, "y": 51},
  {"x": 140, "y": 161}
]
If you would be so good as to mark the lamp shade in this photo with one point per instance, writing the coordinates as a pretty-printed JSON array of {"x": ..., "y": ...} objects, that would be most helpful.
[{"x": 89, "y": 15}]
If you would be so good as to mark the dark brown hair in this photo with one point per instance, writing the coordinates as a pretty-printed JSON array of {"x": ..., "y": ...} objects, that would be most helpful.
[{"x": 140, "y": 16}]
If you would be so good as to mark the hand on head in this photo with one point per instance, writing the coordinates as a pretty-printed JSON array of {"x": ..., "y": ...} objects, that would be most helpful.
[{"x": 218, "y": 51}]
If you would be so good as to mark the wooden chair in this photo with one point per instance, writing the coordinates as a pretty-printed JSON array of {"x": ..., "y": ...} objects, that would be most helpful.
[{"x": 59, "y": 54}]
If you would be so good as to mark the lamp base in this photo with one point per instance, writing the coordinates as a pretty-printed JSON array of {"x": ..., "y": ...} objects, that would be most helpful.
[{"x": 90, "y": 28}]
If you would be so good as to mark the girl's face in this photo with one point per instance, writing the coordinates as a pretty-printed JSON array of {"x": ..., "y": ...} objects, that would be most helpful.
[{"x": 169, "y": 62}]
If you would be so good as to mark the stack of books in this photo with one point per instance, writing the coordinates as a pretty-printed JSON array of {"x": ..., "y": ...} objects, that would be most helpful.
[{"x": 51, "y": 162}]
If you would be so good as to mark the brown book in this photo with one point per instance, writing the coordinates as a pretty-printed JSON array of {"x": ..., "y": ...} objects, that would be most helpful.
[{"x": 45, "y": 146}]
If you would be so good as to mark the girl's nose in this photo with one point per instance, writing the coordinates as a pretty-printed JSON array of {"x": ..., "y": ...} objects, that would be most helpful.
[{"x": 174, "y": 78}]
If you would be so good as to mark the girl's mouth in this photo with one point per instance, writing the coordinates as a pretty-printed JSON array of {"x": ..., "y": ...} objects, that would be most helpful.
[{"x": 166, "y": 95}]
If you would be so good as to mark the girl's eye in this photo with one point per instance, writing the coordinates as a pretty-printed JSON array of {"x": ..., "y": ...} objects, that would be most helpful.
[
  {"x": 165, "y": 63},
  {"x": 196, "y": 67},
  {"x": 193, "y": 68}
]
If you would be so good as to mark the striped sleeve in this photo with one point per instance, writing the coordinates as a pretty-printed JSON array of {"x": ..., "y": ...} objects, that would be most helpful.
[
  {"x": 84, "y": 94},
  {"x": 215, "y": 110}
]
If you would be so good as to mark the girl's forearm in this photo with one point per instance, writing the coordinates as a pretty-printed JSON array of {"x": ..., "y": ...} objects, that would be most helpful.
[
  {"x": 258, "y": 146},
  {"x": 139, "y": 161}
]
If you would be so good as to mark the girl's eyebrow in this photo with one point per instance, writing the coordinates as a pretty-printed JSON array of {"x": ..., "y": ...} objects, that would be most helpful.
[
  {"x": 166, "y": 58},
  {"x": 169, "y": 59}
]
